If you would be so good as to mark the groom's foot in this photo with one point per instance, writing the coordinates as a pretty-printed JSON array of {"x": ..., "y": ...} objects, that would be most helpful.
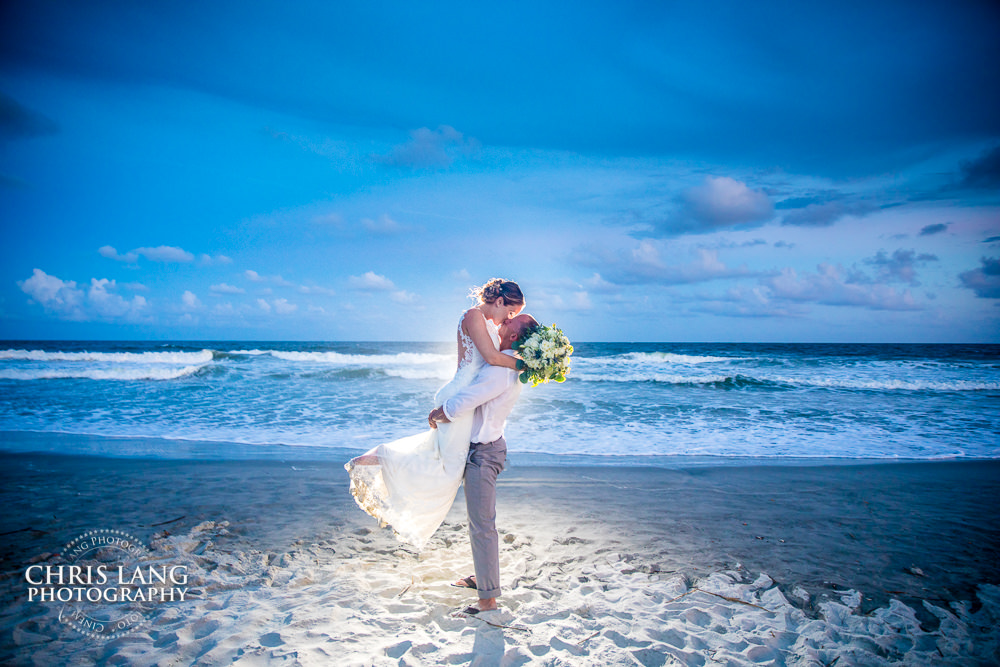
[
  {"x": 468, "y": 582},
  {"x": 482, "y": 606},
  {"x": 489, "y": 604}
]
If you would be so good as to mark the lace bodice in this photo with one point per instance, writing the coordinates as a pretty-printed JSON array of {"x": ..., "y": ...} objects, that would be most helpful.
[{"x": 467, "y": 352}]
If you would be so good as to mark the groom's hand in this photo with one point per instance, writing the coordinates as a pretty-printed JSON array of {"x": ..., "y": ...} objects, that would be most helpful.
[{"x": 437, "y": 415}]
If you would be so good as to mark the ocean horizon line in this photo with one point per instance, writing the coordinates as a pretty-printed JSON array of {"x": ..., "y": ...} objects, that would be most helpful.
[{"x": 331, "y": 341}]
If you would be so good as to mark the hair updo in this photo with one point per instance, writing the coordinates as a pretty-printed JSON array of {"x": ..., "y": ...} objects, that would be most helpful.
[{"x": 497, "y": 288}]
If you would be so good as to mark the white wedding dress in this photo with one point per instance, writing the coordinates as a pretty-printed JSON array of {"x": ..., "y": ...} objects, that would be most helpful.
[{"x": 415, "y": 481}]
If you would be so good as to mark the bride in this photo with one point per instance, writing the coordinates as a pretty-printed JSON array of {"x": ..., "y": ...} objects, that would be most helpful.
[{"x": 411, "y": 483}]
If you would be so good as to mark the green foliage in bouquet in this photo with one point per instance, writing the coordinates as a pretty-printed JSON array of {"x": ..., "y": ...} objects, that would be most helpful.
[{"x": 545, "y": 353}]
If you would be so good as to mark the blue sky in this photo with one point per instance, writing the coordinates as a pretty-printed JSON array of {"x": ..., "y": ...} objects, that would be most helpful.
[{"x": 646, "y": 171}]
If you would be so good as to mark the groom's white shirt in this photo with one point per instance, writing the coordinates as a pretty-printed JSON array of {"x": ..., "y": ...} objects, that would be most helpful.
[{"x": 493, "y": 391}]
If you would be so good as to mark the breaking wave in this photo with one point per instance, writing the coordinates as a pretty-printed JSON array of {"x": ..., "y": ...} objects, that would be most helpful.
[
  {"x": 200, "y": 357},
  {"x": 119, "y": 373},
  {"x": 339, "y": 358}
]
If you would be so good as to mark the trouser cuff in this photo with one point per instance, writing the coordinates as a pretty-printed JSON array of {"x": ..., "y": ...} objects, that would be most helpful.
[{"x": 492, "y": 593}]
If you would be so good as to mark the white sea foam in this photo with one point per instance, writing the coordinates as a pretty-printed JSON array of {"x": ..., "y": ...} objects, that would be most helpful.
[
  {"x": 887, "y": 384},
  {"x": 363, "y": 360},
  {"x": 650, "y": 377},
  {"x": 442, "y": 373},
  {"x": 639, "y": 404},
  {"x": 113, "y": 373},
  {"x": 200, "y": 357},
  {"x": 670, "y": 358},
  {"x": 818, "y": 382}
]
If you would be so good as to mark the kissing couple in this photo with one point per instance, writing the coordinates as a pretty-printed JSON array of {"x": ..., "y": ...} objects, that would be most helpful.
[{"x": 411, "y": 483}]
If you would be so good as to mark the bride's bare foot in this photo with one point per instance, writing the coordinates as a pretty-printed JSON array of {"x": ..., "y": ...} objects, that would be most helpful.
[{"x": 366, "y": 460}]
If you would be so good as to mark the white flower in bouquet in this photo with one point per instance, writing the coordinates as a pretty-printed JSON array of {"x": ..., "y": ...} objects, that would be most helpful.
[{"x": 544, "y": 355}]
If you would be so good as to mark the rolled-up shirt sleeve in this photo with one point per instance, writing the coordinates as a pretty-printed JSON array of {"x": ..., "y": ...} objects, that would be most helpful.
[{"x": 490, "y": 382}]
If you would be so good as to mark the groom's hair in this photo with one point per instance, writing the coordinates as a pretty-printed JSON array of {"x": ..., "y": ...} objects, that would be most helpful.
[{"x": 527, "y": 324}]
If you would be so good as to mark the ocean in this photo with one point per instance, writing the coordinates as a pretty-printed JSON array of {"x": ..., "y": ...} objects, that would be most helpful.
[{"x": 623, "y": 403}]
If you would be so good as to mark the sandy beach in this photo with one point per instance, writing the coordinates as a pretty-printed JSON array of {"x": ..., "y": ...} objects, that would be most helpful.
[{"x": 805, "y": 564}]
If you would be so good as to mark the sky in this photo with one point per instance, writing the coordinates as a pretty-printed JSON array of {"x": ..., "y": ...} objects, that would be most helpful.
[{"x": 646, "y": 171}]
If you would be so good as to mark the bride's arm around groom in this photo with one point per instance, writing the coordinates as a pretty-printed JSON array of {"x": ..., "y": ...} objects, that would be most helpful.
[{"x": 489, "y": 385}]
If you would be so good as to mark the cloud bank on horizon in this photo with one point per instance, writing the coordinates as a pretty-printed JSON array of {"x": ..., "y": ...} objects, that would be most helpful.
[{"x": 646, "y": 171}]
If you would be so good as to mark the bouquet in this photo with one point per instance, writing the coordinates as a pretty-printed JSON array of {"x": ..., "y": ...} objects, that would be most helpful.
[{"x": 544, "y": 354}]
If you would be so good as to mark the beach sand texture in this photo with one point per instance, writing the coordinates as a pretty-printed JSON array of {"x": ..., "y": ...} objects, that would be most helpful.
[{"x": 738, "y": 565}]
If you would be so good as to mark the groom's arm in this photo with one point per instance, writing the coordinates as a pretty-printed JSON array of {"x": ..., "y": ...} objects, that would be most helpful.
[{"x": 490, "y": 382}]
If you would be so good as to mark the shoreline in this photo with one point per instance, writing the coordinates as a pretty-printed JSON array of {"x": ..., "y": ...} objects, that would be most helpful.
[
  {"x": 846, "y": 551},
  {"x": 163, "y": 448}
]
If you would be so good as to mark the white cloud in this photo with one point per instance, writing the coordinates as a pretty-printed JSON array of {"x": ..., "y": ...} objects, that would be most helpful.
[
  {"x": 255, "y": 277},
  {"x": 332, "y": 219},
  {"x": 719, "y": 202},
  {"x": 316, "y": 289},
  {"x": 546, "y": 299},
  {"x": 166, "y": 254},
  {"x": 829, "y": 286},
  {"x": 384, "y": 225},
  {"x": 225, "y": 288},
  {"x": 366, "y": 226},
  {"x": 64, "y": 299},
  {"x": 282, "y": 307},
  {"x": 432, "y": 148},
  {"x": 371, "y": 281},
  {"x": 598, "y": 284},
  {"x": 208, "y": 260},
  {"x": 190, "y": 300},
  {"x": 653, "y": 262},
  {"x": 55, "y": 295},
  {"x": 109, "y": 305},
  {"x": 572, "y": 301},
  {"x": 279, "y": 306},
  {"x": 740, "y": 301},
  {"x": 824, "y": 214},
  {"x": 723, "y": 201},
  {"x": 403, "y": 296},
  {"x": 111, "y": 253},
  {"x": 580, "y": 301}
]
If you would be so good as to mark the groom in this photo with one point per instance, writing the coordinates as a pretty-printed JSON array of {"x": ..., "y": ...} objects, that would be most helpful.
[{"x": 492, "y": 395}]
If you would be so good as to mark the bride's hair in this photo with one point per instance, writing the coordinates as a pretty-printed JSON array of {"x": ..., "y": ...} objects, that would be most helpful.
[{"x": 497, "y": 288}]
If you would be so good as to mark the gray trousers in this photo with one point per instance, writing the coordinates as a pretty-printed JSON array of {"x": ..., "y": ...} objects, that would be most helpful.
[{"x": 485, "y": 462}]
